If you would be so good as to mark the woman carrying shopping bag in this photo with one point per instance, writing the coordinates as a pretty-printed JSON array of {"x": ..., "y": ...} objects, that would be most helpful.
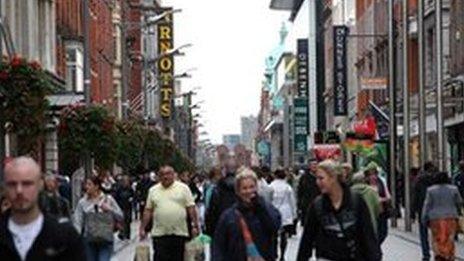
[
  {"x": 95, "y": 217},
  {"x": 440, "y": 213}
]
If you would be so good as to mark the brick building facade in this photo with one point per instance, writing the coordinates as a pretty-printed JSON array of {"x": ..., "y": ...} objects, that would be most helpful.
[{"x": 70, "y": 51}]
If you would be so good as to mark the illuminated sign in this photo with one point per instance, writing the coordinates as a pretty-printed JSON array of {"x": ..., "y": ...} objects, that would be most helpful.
[{"x": 166, "y": 64}]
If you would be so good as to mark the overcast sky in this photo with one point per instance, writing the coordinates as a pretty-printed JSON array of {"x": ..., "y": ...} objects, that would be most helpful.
[{"x": 231, "y": 39}]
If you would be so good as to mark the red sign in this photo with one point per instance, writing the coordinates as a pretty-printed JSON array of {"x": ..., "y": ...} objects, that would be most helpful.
[
  {"x": 366, "y": 127},
  {"x": 327, "y": 151}
]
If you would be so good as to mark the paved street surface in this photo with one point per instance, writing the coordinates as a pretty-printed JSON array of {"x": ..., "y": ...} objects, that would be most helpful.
[{"x": 398, "y": 246}]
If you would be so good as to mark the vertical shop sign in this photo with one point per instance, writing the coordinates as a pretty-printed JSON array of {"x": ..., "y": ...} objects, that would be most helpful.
[
  {"x": 166, "y": 64},
  {"x": 339, "y": 72},
  {"x": 301, "y": 123}
]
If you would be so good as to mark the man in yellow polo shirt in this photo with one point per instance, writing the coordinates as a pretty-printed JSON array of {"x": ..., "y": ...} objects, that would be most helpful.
[{"x": 168, "y": 203}]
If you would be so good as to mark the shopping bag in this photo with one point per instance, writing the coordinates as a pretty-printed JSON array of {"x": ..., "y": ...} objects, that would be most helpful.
[
  {"x": 195, "y": 248},
  {"x": 461, "y": 224},
  {"x": 142, "y": 253}
]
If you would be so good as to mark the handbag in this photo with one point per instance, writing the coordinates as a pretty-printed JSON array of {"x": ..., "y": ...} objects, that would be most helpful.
[
  {"x": 99, "y": 226},
  {"x": 252, "y": 251}
]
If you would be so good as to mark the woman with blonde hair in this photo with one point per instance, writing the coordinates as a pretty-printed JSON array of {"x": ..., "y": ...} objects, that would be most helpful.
[
  {"x": 338, "y": 224},
  {"x": 246, "y": 231}
]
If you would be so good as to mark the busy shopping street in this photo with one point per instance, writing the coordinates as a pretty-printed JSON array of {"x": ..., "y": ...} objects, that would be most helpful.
[{"x": 245, "y": 130}]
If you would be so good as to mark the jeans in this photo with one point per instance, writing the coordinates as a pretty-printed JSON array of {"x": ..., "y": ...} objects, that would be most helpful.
[
  {"x": 424, "y": 238},
  {"x": 169, "y": 248},
  {"x": 382, "y": 229},
  {"x": 99, "y": 252}
]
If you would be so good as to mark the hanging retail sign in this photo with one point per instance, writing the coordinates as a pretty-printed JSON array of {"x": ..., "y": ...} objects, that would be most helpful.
[
  {"x": 327, "y": 151},
  {"x": 301, "y": 124},
  {"x": 339, "y": 72},
  {"x": 377, "y": 83},
  {"x": 302, "y": 66},
  {"x": 166, "y": 64}
]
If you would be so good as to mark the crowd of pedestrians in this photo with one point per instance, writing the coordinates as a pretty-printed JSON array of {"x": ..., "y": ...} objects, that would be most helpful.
[{"x": 249, "y": 213}]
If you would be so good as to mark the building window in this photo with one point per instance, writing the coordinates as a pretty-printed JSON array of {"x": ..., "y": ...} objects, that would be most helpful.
[{"x": 74, "y": 67}]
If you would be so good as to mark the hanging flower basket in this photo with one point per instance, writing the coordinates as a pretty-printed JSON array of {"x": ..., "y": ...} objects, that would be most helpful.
[
  {"x": 23, "y": 89},
  {"x": 89, "y": 130}
]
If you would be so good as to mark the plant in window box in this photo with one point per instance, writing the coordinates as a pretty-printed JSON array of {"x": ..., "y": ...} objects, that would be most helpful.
[{"x": 24, "y": 86}]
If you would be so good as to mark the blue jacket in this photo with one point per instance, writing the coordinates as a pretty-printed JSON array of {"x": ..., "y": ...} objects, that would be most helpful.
[{"x": 263, "y": 221}]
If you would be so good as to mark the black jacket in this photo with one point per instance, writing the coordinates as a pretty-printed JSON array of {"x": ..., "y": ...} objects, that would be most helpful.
[
  {"x": 345, "y": 234},
  {"x": 55, "y": 242},
  {"x": 54, "y": 205},
  {"x": 124, "y": 197},
  {"x": 424, "y": 181},
  {"x": 458, "y": 180},
  {"x": 263, "y": 221},
  {"x": 223, "y": 197},
  {"x": 307, "y": 191}
]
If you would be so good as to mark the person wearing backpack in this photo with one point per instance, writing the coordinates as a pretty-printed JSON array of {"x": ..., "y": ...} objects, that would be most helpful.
[
  {"x": 95, "y": 217},
  {"x": 338, "y": 223},
  {"x": 246, "y": 231}
]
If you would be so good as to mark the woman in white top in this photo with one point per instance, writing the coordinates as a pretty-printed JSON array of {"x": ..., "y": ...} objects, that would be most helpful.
[{"x": 283, "y": 198}]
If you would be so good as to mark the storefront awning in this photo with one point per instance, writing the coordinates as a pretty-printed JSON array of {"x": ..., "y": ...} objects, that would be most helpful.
[{"x": 58, "y": 101}]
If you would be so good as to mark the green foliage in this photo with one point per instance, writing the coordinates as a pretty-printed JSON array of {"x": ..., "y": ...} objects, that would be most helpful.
[
  {"x": 131, "y": 138},
  {"x": 23, "y": 90},
  {"x": 127, "y": 143},
  {"x": 89, "y": 130}
]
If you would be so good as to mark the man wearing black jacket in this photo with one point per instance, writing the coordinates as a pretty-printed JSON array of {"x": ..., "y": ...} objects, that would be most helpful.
[
  {"x": 307, "y": 190},
  {"x": 25, "y": 232},
  {"x": 424, "y": 181},
  {"x": 124, "y": 196},
  {"x": 223, "y": 197}
]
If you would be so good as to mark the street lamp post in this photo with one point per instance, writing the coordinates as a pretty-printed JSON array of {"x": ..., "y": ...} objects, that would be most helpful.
[
  {"x": 440, "y": 125},
  {"x": 392, "y": 102},
  {"x": 406, "y": 118},
  {"x": 422, "y": 108},
  {"x": 87, "y": 77}
]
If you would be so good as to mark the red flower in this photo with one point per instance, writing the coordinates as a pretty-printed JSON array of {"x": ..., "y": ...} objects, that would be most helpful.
[
  {"x": 35, "y": 65},
  {"x": 3, "y": 76},
  {"x": 16, "y": 61}
]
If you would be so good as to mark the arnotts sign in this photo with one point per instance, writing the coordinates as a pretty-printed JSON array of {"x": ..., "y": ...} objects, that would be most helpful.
[{"x": 166, "y": 64}]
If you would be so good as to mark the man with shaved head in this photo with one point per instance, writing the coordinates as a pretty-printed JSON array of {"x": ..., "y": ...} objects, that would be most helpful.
[{"x": 25, "y": 232}]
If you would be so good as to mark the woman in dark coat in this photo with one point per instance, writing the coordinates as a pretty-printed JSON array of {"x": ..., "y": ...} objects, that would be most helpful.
[
  {"x": 246, "y": 231},
  {"x": 338, "y": 224}
]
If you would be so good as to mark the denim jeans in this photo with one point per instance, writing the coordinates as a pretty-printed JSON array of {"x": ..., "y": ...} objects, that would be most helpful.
[
  {"x": 382, "y": 229},
  {"x": 424, "y": 238},
  {"x": 99, "y": 252}
]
